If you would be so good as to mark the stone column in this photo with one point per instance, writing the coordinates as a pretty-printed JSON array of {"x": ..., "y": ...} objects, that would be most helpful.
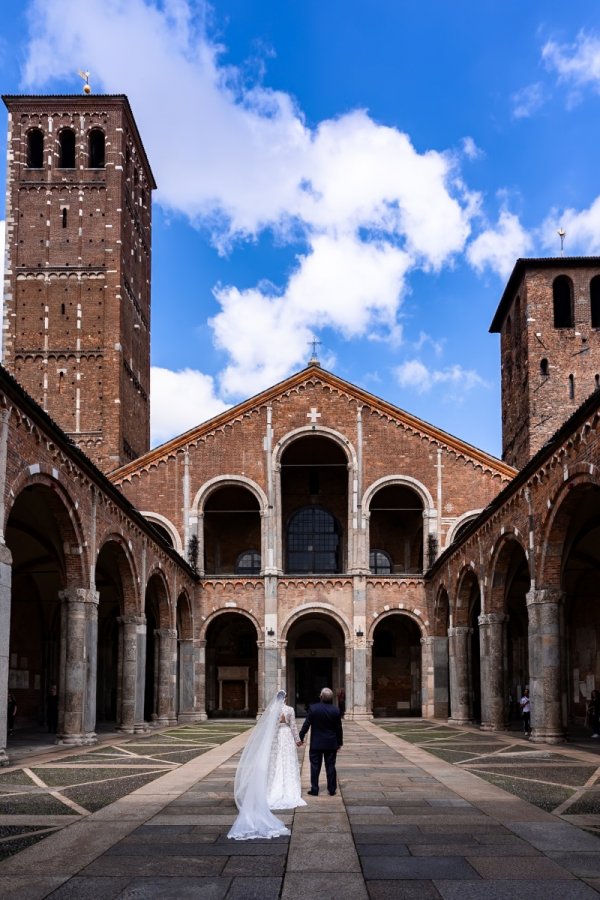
[
  {"x": 358, "y": 703},
  {"x": 544, "y": 612},
  {"x": 91, "y": 663},
  {"x": 441, "y": 686},
  {"x": 269, "y": 670},
  {"x": 460, "y": 674},
  {"x": 493, "y": 700},
  {"x": 166, "y": 641},
  {"x": 5, "y": 599},
  {"x": 140, "y": 725},
  {"x": 426, "y": 678},
  {"x": 128, "y": 646},
  {"x": 74, "y": 652},
  {"x": 187, "y": 696},
  {"x": 201, "y": 681}
]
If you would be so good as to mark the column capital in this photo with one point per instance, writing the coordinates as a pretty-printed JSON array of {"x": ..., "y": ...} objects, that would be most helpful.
[
  {"x": 131, "y": 620},
  {"x": 492, "y": 619},
  {"x": 545, "y": 595},
  {"x": 163, "y": 633},
  {"x": 460, "y": 631},
  {"x": 79, "y": 595}
]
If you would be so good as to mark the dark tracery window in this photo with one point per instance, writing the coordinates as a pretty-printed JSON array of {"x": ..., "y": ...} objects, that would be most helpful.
[
  {"x": 562, "y": 298},
  {"x": 35, "y": 149},
  {"x": 248, "y": 563},
  {"x": 97, "y": 149},
  {"x": 313, "y": 542},
  {"x": 66, "y": 141},
  {"x": 380, "y": 563}
]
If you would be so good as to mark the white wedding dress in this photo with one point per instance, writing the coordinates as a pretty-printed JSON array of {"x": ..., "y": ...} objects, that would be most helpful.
[
  {"x": 283, "y": 782},
  {"x": 253, "y": 779}
]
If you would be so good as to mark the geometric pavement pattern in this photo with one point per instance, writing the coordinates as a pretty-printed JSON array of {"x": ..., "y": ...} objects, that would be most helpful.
[
  {"x": 565, "y": 785},
  {"x": 40, "y": 799}
]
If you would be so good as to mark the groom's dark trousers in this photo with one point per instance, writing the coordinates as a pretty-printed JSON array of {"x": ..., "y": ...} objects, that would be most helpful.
[{"x": 326, "y": 738}]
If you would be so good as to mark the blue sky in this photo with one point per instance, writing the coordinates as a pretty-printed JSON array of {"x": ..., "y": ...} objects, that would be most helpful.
[{"x": 363, "y": 172}]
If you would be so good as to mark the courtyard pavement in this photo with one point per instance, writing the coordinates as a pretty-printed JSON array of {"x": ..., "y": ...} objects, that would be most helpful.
[{"x": 405, "y": 823}]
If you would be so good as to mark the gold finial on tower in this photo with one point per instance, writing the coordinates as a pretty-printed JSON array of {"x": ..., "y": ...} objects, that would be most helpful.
[{"x": 86, "y": 81}]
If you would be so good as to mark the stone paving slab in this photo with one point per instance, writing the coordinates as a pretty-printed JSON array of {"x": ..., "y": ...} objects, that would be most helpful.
[{"x": 408, "y": 825}]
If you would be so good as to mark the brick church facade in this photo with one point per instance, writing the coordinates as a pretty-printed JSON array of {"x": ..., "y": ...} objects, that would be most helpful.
[{"x": 314, "y": 534}]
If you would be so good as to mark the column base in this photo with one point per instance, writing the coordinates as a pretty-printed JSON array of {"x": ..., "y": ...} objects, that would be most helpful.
[
  {"x": 189, "y": 718},
  {"x": 538, "y": 736},
  {"x": 359, "y": 715},
  {"x": 125, "y": 729},
  {"x": 488, "y": 726},
  {"x": 460, "y": 722},
  {"x": 142, "y": 728},
  {"x": 4, "y": 760},
  {"x": 77, "y": 740}
]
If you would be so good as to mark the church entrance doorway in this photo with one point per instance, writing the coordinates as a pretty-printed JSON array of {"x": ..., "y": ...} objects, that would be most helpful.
[
  {"x": 397, "y": 667},
  {"x": 231, "y": 667},
  {"x": 315, "y": 659}
]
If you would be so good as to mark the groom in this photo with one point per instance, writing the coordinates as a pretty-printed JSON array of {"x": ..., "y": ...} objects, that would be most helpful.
[{"x": 326, "y": 739}]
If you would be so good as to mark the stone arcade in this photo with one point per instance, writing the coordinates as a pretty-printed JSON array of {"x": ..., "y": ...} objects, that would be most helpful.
[{"x": 314, "y": 534}]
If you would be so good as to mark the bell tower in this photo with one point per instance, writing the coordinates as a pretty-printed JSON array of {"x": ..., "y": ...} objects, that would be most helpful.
[
  {"x": 76, "y": 329},
  {"x": 549, "y": 325}
]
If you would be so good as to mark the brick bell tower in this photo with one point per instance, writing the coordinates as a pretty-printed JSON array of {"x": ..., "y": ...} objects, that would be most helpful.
[
  {"x": 549, "y": 325},
  {"x": 77, "y": 282}
]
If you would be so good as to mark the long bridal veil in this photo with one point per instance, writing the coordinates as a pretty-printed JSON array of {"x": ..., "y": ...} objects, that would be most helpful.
[{"x": 255, "y": 819}]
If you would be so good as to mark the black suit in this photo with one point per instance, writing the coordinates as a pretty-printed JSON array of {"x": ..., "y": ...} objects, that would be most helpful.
[{"x": 326, "y": 738}]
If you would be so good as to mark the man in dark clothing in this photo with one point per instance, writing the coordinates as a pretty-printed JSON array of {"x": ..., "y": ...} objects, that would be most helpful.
[{"x": 326, "y": 739}]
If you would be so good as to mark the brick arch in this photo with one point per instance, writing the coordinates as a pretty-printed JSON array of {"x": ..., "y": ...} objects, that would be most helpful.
[
  {"x": 407, "y": 613},
  {"x": 403, "y": 481},
  {"x": 319, "y": 431},
  {"x": 163, "y": 607},
  {"x": 223, "y": 612},
  {"x": 209, "y": 487},
  {"x": 64, "y": 509},
  {"x": 441, "y": 612},
  {"x": 128, "y": 572},
  {"x": 468, "y": 516},
  {"x": 183, "y": 605},
  {"x": 554, "y": 529},
  {"x": 168, "y": 526},
  {"x": 499, "y": 566},
  {"x": 323, "y": 609},
  {"x": 467, "y": 576}
]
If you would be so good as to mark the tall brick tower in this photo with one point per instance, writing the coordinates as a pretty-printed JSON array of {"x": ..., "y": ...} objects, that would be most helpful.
[
  {"x": 77, "y": 281},
  {"x": 549, "y": 322}
]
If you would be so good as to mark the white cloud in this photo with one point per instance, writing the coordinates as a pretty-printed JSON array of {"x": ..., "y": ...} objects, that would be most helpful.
[
  {"x": 577, "y": 63},
  {"x": 364, "y": 204},
  {"x": 414, "y": 374},
  {"x": 528, "y": 100},
  {"x": 470, "y": 149},
  {"x": 180, "y": 400},
  {"x": 582, "y": 230},
  {"x": 498, "y": 248}
]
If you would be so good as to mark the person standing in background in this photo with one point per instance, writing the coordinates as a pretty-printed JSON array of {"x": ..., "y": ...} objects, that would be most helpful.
[
  {"x": 11, "y": 713},
  {"x": 525, "y": 704}
]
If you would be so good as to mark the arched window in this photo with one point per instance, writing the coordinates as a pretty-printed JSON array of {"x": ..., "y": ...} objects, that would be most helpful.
[
  {"x": 509, "y": 326},
  {"x": 380, "y": 563},
  {"x": 544, "y": 370},
  {"x": 313, "y": 542},
  {"x": 66, "y": 141},
  {"x": 248, "y": 563},
  {"x": 595, "y": 301},
  {"x": 571, "y": 387},
  {"x": 562, "y": 299},
  {"x": 35, "y": 149},
  {"x": 96, "y": 154}
]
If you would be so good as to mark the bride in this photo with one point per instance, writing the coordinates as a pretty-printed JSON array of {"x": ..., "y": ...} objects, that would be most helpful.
[{"x": 267, "y": 776}]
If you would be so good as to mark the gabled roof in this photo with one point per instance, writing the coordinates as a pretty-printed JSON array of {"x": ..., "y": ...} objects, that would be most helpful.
[
  {"x": 312, "y": 373},
  {"x": 545, "y": 262}
]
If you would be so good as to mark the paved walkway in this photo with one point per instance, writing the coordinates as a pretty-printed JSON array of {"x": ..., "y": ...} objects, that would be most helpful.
[{"x": 405, "y": 824}]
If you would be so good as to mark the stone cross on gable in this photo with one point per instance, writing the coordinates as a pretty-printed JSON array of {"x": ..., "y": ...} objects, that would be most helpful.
[{"x": 313, "y": 415}]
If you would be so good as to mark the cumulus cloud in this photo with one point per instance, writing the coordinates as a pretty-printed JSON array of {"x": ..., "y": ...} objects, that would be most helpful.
[
  {"x": 582, "y": 230},
  {"x": 528, "y": 100},
  {"x": 180, "y": 400},
  {"x": 497, "y": 247},
  {"x": 414, "y": 374},
  {"x": 578, "y": 63},
  {"x": 359, "y": 200}
]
